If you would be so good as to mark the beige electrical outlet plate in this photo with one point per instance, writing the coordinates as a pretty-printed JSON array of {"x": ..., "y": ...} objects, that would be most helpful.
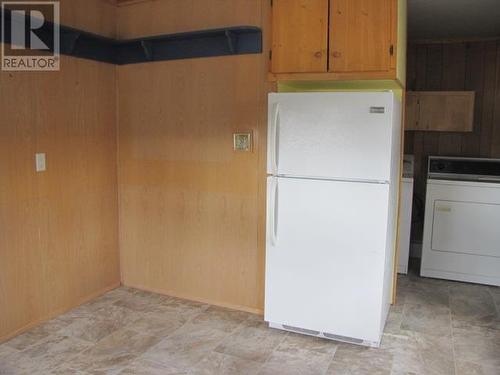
[{"x": 242, "y": 141}]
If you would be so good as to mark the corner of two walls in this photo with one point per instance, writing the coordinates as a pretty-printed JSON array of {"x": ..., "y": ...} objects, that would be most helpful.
[
  {"x": 174, "y": 204},
  {"x": 59, "y": 228}
]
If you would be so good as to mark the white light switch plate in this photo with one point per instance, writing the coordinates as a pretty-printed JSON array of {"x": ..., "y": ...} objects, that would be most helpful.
[{"x": 40, "y": 162}]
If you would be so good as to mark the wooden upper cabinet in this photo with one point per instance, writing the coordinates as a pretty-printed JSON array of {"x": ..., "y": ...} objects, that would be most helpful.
[
  {"x": 338, "y": 40},
  {"x": 300, "y": 36},
  {"x": 448, "y": 111},
  {"x": 361, "y": 36}
]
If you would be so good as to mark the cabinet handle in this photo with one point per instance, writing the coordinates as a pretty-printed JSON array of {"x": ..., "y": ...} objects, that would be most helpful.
[
  {"x": 336, "y": 54},
  {"x": 318, "y": 54}
]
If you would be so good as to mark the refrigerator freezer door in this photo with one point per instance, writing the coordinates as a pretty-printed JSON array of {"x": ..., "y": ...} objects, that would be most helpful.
[
  {"x": 343, "y": 135},
  {"x": 326, "y": 244}
]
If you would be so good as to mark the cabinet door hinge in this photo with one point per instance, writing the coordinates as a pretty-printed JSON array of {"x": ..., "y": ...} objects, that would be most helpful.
[{"x": 391, "y": 49}]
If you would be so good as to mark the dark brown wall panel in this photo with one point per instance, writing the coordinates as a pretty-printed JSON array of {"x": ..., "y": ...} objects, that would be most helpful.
[{"x": 471, "y": 66}]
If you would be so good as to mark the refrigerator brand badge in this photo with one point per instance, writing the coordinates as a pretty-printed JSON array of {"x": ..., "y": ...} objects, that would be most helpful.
[{"x": 377, "y": 109}]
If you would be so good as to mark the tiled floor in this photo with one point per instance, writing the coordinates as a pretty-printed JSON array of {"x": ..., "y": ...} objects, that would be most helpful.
[{"x": 437, "y": 327}]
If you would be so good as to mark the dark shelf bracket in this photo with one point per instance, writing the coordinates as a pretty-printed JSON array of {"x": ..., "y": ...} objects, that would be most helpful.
[
  {"x": 238, "y": 40},
  {"x": 68, "y": 42},
  {"x": 148, "y": 49},
  {"x": 231, "y": 41}
]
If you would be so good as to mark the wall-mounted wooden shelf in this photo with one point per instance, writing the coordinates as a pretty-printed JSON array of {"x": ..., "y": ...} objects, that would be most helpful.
[
  {"x": 228, "y": 41},
  {"x": 446, "y": 111}
]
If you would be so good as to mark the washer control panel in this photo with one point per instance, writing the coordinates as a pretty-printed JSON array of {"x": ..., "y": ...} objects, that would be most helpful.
[{"x": 464, "y": 169}]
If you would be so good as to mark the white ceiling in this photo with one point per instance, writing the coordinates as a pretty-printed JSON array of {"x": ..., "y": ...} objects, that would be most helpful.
[{"x": 441, "y": 19}]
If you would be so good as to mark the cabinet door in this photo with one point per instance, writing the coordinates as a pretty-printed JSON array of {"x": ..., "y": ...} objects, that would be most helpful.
[
  {"x": 360, "y": 35},
  {"x": 300, "y": 34},
  {"x": 449, "y": 111},
  {"x": 446, "y": 111}
]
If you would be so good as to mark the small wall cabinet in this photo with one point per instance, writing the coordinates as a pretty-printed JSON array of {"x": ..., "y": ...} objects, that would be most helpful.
[
  {"x": 447, "y": 111},
  {"x": 338, "y": 39}
]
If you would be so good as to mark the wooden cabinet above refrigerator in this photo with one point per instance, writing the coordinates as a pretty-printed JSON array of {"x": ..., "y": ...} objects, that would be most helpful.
[{"x": 338, "y": 40}]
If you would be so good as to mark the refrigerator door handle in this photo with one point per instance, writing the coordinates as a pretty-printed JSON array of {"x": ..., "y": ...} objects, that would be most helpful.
[
  {"x": 274, "y": 214},
  {"x": 275, "y": 148}
]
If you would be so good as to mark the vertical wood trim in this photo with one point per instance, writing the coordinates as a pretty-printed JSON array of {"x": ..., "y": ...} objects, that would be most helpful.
[{"x": 401, "y": 163}]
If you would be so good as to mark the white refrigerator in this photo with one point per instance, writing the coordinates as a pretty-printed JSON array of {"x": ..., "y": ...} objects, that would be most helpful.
[{"x": 332, "y": 187}]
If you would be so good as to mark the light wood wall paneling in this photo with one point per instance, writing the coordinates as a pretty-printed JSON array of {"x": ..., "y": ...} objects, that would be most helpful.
[
  {"x": 18, "y": 206},
  {"x": 174, "y": 16},
  {"x": 96, "y": 16},
  {"x": 189, "y": 217},
  {"x": 191, "y": 208},
  {"x": 59, "y": 228}
]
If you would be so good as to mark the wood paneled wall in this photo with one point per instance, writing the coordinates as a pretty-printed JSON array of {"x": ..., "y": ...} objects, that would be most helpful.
[
  {"x": 174, "y": 16},
  {"x": 191, "y": 208},
  {"x": 95, "y": 16},
  {"x": 58, "y": 228},
  {"x": 455, "y": 66}
]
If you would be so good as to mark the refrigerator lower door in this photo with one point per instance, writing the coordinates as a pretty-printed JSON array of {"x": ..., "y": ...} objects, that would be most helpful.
[{"x": 325, "y": 255}]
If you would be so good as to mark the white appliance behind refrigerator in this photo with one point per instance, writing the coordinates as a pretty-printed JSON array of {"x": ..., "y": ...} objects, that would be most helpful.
[{"x": 333, "y": 166}]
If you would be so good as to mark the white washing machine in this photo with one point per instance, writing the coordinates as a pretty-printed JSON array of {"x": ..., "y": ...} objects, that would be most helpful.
[
  {"x": 405, "y": 214},
  {"x": 462, "y": 220}
]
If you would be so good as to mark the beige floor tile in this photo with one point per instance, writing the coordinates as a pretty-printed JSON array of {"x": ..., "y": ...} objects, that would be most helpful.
[
  {"x": 157, "y": 324},
  {"x": 142, "y": 366},
  {"x": 300, "y": 363},
  {"x": 394, "y": 321},
  {"x": 428, "y": 294},
  {"x": 352, "y": 359},
  {"x": 43, "y": 356},
  {"x": 437, "y": 353},
  {"x": 224, "y": 364},
  {"x": 468, "y": 368},
  {"x": 300, "y": 355},
  {"x": 113, "y": 353},
  {"x": 184, "y": 348},
  {"x": 474, "y": 304},
  {"x": 6, "y": 350},
  {"x": 431, "y": 319},
  {"x": 295, "y": 343},
  {"x": 220, "y": 318},
  {"x": 38, "y": 334},
  {"x": 478, "y": 345},
  {"x": 406, "y": 356},
  {"x": 105, "y": 321},
  {"x": 253, "y": 341}
]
